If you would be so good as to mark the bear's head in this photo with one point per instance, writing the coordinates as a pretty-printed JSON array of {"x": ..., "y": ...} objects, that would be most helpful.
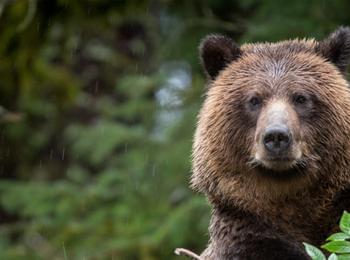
[{"x": 276, "y": 117}]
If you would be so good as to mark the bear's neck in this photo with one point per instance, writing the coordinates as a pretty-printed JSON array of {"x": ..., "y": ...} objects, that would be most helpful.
[{"x": 309, "y": 216}]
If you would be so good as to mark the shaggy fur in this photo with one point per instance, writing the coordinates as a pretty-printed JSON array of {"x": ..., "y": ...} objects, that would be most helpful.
[{"x": 258, "y": 214}]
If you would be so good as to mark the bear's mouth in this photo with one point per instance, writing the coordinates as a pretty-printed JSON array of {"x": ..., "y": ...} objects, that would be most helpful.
[{"x": 295, "y": 171}]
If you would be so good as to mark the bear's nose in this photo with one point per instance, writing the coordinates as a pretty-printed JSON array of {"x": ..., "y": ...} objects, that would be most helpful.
[{"x": 277, "y": 140}]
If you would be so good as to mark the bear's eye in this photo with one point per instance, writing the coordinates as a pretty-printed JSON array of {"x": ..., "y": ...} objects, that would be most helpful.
[
  {"x": 255, "y": 102},
  {"x": 299, "y": 99}
]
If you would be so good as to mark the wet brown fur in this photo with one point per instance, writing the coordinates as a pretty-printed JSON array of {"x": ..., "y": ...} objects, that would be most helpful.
[{"x": 303, "y": 209}]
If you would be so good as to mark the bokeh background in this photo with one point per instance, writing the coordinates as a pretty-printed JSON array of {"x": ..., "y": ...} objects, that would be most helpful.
[{"x": 98, "y": 100}]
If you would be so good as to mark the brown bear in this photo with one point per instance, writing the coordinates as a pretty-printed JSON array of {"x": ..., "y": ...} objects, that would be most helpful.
[{"x": 272, "y": 147}]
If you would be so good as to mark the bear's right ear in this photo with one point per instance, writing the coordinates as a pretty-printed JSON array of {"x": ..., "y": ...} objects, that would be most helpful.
[
  {"x": 336, "y": 48},
  {"x": 216, "y": 52}
]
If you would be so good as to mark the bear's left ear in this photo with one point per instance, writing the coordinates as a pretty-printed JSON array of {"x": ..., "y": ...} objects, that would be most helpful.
[
  {"x": 336, "y": 48},
  {"x": 216, "y": 52}
]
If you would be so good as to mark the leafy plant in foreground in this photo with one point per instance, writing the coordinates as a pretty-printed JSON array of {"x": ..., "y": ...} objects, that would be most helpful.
[{"x": 338, "y": 244}]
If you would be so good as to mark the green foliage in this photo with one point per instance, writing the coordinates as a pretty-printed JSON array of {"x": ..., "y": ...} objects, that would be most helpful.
[
  {"x": 337, "y": 244},
  {"x": 345, "y": 223},
  {"x": 314, "y": 252},
  {"x": 338, "y": 237},
  {"x": 340, "y": 247}
]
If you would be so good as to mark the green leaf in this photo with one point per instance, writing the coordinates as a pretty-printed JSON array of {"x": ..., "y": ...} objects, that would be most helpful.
[
  {"x": 314, "y": 252},
  {"x": 333, "y": 257},
  {"x": 344, "y": 257},
  {"x": 338, "y": 237},
  {"x": 337, "y": 246},
  {"x": 345, "y": 223}
]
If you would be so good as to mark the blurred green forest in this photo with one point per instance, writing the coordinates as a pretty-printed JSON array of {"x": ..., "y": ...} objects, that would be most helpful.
[{"x": 98, "y": 105}]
